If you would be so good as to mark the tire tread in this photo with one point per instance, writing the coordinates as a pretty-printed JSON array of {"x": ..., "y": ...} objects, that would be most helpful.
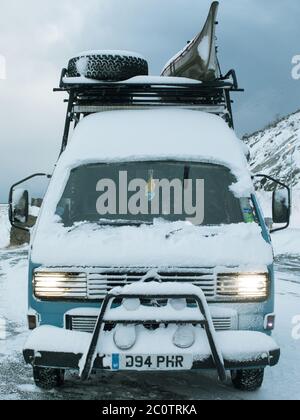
[
  {"x": 248, "y": 380},
  {"x": 109, "y": 67}
]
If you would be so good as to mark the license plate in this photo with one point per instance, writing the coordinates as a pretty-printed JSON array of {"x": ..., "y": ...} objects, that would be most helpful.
[{"x": 152, "y": 362}]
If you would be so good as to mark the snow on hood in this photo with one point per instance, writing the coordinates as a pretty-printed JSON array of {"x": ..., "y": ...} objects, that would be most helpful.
[{"x": 152, "y": 246}]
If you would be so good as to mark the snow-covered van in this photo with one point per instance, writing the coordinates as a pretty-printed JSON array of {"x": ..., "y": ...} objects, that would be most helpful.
[{"x": 150, "y": 252}]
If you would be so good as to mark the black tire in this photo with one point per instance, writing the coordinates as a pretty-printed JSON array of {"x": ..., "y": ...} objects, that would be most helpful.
[
  {"x": 107, "y": 67},
  {"x": 48, "y": 379},
  {"x": 248, "y": 380}
]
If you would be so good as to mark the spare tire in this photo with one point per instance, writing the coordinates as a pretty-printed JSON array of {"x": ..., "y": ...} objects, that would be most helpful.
[{"x": 108, "y": 65}]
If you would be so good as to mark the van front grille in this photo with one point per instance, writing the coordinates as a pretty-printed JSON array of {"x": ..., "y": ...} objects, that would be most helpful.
[
  {"x": 99, "y": 285},
  {"x": 87, "y": 323}
]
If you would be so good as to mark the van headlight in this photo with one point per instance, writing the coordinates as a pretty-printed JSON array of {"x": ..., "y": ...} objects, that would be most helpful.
[
  {"x": 48, "y": 285},
  {"x": 249, "y": 286}
]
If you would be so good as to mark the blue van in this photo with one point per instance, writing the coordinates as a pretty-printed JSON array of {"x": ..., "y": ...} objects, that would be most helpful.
[
  {"x": 147, "y": 287},
  {"x": 150, "y": 251}
]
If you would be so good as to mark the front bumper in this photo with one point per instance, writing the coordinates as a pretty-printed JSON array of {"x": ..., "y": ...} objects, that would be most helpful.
[
  {"x": 71, "y": 361},
  {"x": 66, "y": 349},
  {"x": 53, "y": 347}
]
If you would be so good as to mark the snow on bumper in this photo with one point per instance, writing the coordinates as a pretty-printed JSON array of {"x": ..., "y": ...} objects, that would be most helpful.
[{"x": 59, "y": 348}]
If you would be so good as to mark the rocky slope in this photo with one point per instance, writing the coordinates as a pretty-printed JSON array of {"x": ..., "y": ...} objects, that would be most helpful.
[{"x": 275, "y": 150}]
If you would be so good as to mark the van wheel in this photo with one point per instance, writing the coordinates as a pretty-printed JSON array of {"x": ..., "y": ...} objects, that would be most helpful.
[
  {"x": 248, "y": 380},
  {"x": 48, "y": 379},
  {"x": 108, "y": 66}
]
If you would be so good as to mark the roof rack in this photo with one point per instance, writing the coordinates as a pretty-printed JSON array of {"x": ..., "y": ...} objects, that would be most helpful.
[{"x": 90, "y": 96}]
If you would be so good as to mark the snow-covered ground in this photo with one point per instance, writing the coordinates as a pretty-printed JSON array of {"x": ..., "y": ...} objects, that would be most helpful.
[{"x": 282, "y": 382}]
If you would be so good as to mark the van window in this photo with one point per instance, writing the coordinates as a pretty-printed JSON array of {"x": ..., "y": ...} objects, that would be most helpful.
[{"x": 80, "y": 200}]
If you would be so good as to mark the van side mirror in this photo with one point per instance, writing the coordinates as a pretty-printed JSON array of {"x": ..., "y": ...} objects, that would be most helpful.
[
  {"x": 282, "y": 202},
  {"x": 281, "y": 206},
  {"x": 20, "y": 206}
]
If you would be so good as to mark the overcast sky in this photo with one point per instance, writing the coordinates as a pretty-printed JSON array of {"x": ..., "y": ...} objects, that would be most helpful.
[{"x": 256, "y": 37}]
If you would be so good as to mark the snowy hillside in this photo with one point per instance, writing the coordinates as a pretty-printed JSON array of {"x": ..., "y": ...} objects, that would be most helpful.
[
  {"x": 276, "y": 151},
  {"x": 4, "y": 226}
]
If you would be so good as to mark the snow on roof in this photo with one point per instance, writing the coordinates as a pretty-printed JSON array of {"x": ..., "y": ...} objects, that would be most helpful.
[
  {"x": 158, "y": 134},
  {"x": 154, "y": 80}
]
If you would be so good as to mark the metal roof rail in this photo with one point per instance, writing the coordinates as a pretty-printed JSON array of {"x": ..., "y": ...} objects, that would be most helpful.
[{"x": 94, "y": 96}]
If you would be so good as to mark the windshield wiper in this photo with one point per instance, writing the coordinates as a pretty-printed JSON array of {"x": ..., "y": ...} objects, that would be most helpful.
[
  {"x": 168, "y": 235},
  {"x": 174, "y": 232}
]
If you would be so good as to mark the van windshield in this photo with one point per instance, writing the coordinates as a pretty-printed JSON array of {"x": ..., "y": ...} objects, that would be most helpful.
[{"x": 140, "y": 192}]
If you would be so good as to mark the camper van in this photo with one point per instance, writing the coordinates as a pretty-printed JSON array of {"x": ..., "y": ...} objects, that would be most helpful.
[{"x": 150, "y": 251}]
